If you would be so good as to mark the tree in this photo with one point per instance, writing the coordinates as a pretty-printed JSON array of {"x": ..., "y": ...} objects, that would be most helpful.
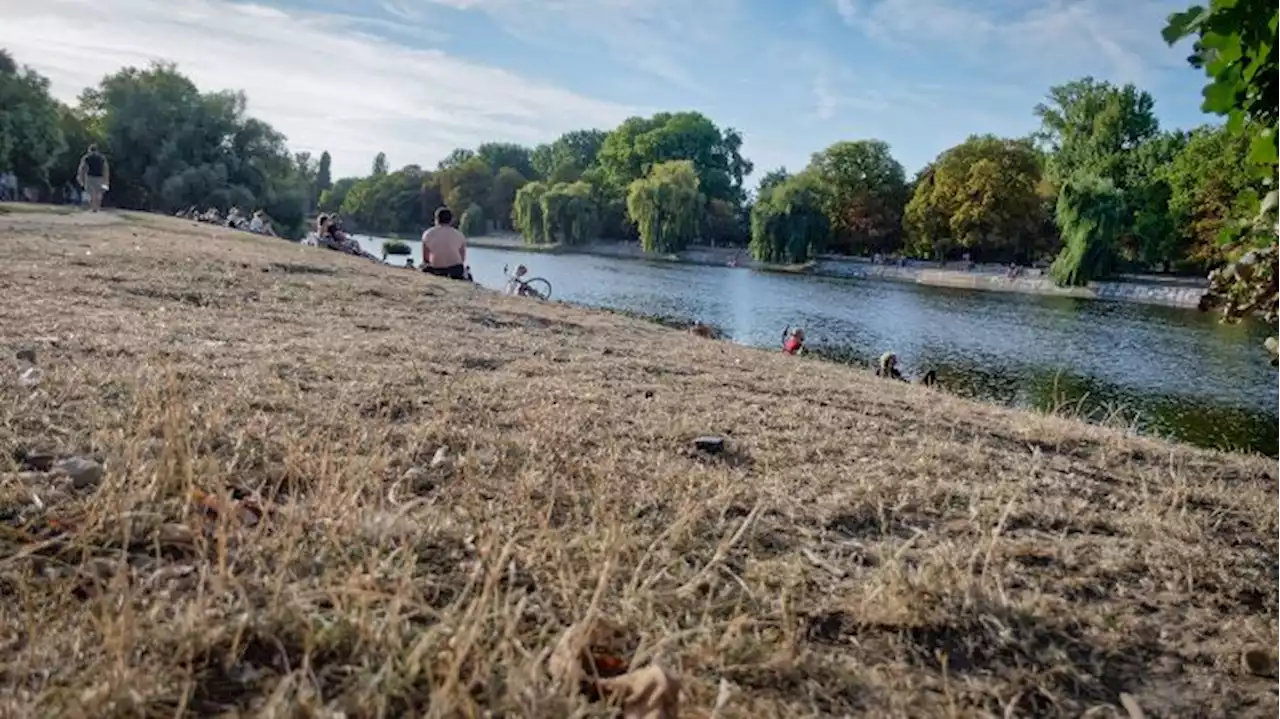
[
  {"x": 772, "y": 179},
  {"x": 639, "y": 144},
  {"x": 31, "y": 138},
  {"x": 472, "y": 222},
  {"x": 78, "y": 134},
  {"x": 172, "y": 146},
  {"x": 566, "y": 159},
  {"x": 502, "y": 196},
  {"x": 527, "y": 213},
  {"x": 866, "y": 193},
  {"x": 430, "y": 197},
  {"x": 664, "y": 206},
  {"x": 982, "y": 195},
  {"x": 379, "y": 165},
  {"x": 507, "y": 154},
  {"x": 1091, "y": 126},
  {"x": 388, "y": 203},
  {"x": 467, "y": 183},
  {"x": 455, "y": 158},
  {"x": 1089, "y": 217},
  {"x": 568, "y": 211},
  {"x": 1150, "y": 237},
  {"x": 1210, "y": 182},
  {"x": 331, "y": 199},
  {"x": 1236, "y": 47},
  {"x": 789, "y": 222},
  {"x": 323, "y": 179}
]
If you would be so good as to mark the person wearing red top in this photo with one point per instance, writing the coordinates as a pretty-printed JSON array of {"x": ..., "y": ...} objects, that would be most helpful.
[{"x": 792, "y": 341}]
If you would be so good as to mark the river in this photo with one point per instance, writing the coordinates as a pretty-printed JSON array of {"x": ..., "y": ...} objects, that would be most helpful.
[{"x": 1172, "y": 372}]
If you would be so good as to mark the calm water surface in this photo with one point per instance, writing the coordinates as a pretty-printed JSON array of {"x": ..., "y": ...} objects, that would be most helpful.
[{"x": 1167, "y": 371}]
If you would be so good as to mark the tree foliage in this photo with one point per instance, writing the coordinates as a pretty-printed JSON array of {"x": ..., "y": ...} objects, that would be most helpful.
[
  {"x": 1236, "y": 46},
  {"x": 639, "y": 144},
  {"x": 31, "y": 138},
  {"x": 379, "y": 165},
  {"x": 664, "y": 205},
  {"x": 502, "y": 196},
  {"x": 569, "y": 213},
  {"x": 390, "y": 202},
  {"x": 566, "y": 159},
  {"x": 789, "y": 221},
  {"x": 982, "y": 196},
  {"x": 171, "y": 146},
  {"x": 498, "y": 155},
  {"x": 866, "y": 190},
  {"x": 526, "y": 213},
  {"x": 1089, "y": 215},
  {"x": 1210, "y": 183},
  {"x": 466, "y": 183},
  {"x": 472, "y": 223},
  {"x": 1092, "y": 127}
]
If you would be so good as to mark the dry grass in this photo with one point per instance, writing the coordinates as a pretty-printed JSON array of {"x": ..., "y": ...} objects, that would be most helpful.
[{"x": 863, "y": 548}]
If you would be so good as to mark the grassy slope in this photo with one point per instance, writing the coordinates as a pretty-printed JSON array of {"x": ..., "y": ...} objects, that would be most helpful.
[{"x": 865, "y": 548}]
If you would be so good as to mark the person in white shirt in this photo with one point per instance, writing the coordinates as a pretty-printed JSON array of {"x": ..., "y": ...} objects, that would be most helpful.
[
  {"x": 444, "y": 248},
  {"x": 260, "y": 225}
]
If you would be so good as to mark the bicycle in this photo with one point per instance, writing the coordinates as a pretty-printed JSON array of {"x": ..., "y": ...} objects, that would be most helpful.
[{"x": 536, "y": 287}]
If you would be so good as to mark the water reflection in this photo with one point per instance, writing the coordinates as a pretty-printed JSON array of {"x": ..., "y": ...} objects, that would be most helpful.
[{"x": 1172, "y": 372}]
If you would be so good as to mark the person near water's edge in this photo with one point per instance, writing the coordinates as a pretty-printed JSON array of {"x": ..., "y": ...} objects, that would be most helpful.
[
  {"x": 793, "y": 340},
  {"x": 444, "y": 248},
  {"x": 94, "y": 175}
]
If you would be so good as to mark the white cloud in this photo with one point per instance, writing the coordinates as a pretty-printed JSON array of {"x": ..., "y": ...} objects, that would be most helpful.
[
  {"x": 663, "y": 38},
  {"x": 323, "y": 84},
  {"x": 1117, "y": 40},
  {"x": 847, "y": 11}
]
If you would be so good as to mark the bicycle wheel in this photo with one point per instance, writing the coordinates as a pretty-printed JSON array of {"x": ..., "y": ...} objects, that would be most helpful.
[{"x": 538, "y": 287}]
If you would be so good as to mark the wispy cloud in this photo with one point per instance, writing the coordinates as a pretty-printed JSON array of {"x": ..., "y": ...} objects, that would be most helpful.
[
  {"x": 664, "y": 38},
  {"x": 847, "y": 11},
  {"x": 310, "y": 75},
  {"x": 1119, "y": 40}
]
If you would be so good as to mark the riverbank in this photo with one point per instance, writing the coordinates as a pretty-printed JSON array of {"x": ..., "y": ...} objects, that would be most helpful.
[
  {"x": 306, "y": 503},
  {"x": 1154, "y": 290}
]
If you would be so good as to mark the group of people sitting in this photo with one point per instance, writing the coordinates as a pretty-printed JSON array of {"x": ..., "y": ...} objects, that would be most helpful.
[
  {"x": 887, "y": 367},
  {"x": 330, "y": 234},
  {"x": 256, "y": 223}
]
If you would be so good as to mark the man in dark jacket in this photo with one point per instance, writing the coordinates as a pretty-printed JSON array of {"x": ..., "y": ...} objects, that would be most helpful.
[{"x": 94, "y": 175}]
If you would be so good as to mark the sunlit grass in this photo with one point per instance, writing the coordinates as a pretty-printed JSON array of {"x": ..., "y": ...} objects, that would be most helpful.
[{"x": 274, "y": 534}]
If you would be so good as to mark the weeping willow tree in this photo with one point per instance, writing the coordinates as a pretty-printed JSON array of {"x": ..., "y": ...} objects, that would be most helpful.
[
  {"x": 788, "y": 223},
  {"x": 1089, "y": 217},
  {"x": 526, "y": 213},
  {"x": 472, "y": 222},
  {"x": 664, "y": 205},
  {"x": 569, "y": 213}
]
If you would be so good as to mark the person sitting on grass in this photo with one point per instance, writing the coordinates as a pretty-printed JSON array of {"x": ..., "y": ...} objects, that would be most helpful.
[
  {"x": 514, "y": 284},
  {"x": 793, "y": 340},
  {"x": 888, "y": 367},
  {"x": 261, "y": 225},
  {"x": 444, "y": 248}
]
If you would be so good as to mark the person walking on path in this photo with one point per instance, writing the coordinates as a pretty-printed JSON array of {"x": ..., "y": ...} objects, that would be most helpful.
[
  {"x": 94, "y": 175},
  {"x": 444, "y": 248}
]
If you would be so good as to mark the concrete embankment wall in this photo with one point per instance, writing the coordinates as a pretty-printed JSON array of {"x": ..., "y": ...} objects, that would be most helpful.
[{"x": 1183, "y": 295}]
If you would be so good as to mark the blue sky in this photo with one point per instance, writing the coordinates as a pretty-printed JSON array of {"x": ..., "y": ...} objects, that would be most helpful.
[{"x": 416, "y": 78}]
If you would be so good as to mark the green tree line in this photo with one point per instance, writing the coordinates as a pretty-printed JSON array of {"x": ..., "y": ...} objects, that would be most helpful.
[{"x": 171, "y": 146}]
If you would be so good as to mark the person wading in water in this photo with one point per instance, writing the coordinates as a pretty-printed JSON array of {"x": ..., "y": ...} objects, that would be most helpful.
[
  {"x": 94, "y": 175},
  {"x": 444, "y": 248}
]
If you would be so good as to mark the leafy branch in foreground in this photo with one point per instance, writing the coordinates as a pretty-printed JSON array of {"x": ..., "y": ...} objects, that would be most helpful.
[{"x": 1236, "y": 46}]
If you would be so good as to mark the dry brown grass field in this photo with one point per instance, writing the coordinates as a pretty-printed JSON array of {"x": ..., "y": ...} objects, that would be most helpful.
[{"x": 250, "y": 478}]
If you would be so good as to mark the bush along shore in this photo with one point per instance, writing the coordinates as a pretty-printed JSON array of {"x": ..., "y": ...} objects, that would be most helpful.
[{"x": 214, "y": 499}]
